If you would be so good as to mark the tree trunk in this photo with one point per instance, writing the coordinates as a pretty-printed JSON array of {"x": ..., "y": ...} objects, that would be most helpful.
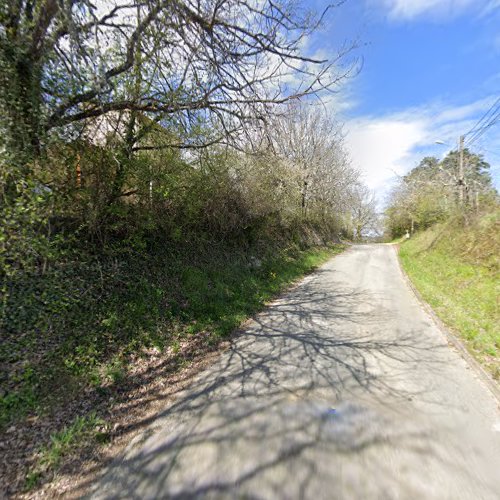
[
  {"x": 20, "y": 103},
  {"x": 304, "y": 199}
]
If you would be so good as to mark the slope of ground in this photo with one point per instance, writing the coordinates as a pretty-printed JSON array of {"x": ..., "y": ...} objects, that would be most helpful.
[
  {"x": 343, "y": 388},
  {"x": 99, "y": 338},
  {"x": 455, "y": 267}
]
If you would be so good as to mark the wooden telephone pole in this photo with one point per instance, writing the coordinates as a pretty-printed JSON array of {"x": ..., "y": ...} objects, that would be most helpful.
[{"x": 461, "y": 179}]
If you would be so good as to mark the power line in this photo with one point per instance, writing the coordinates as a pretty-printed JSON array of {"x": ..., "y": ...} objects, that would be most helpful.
[
  {"x": 491, "y": 117},
  {"x": 482, "y": 130},
  {"x": 496, "y": 104}
]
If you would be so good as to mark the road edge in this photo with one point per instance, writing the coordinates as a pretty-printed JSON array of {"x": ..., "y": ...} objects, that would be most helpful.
[
  {"x": 118, "y": 448},
  {"x": 481, "y": 373}
]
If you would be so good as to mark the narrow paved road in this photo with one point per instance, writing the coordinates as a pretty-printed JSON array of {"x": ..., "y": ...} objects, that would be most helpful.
[{"x": 344, "y": 388}]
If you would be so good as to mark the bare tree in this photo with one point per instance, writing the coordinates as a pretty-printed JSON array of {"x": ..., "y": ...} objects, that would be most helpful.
[
  {"x": 364, "y": 211},
  {"x": 311, "y": 142},
  {"x": 65, "y": 61}
]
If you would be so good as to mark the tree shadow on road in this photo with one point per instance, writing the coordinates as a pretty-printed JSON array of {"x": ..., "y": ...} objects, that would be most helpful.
[{"x": 316, "y": 378}]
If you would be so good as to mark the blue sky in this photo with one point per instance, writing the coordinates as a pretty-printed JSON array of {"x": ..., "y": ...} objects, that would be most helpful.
[{"x": 431, "y": 69}]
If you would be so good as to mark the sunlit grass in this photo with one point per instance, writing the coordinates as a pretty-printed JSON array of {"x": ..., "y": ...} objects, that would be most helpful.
[
  {"x": 462, "y": 291},
  {"x": 155, "y": 301},
  {"x": 159, "y": 305},
  {"x": 65, "y": 442}
]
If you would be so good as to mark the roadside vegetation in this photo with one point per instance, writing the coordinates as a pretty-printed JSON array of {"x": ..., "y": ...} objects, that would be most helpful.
[
  {"x": 68, "y": 441},
  {"x": 80, "y": 325},
  {"x": 165, "y": 170},
  {"x": 453, "y": 255},
  {"x": 456, "y": 271},
  {"x": 154, "y": 303}
]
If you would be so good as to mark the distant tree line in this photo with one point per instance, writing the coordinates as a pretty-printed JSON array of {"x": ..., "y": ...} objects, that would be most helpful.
[
  {"x": 432, "y": 192},
  {"x": 184, "y": 115},
  {"x": 165, "y": 167}
]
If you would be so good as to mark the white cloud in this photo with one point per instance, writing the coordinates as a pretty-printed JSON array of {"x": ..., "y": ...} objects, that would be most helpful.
[
  {"x": 496, "y": 44},
  {"x": 411, "y": 9},
  {"x": 463, "y": 112},
  {"x": 384, "y": 147},
  {"x": 381, "y": 147},
  {"x": 490, "y": 7}
]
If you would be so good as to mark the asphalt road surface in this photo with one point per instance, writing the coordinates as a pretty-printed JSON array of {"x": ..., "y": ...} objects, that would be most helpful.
[{"x": 343, "y": 388}]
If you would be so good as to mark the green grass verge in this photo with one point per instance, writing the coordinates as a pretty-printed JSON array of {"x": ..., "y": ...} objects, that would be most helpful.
[
  {"x": 64, "y": 443},
  {"x": 76, "y": 327},
  {"x": 462, "y": 292}
]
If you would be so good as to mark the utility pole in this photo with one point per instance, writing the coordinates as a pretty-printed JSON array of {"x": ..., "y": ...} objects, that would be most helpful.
[{"x": 461, "y": 180}]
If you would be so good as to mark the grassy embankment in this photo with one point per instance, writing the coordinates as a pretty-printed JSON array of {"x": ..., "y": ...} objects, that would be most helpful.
[
  {"x": 84, "y": 323},
  {"x": 456, "y": 270}
]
